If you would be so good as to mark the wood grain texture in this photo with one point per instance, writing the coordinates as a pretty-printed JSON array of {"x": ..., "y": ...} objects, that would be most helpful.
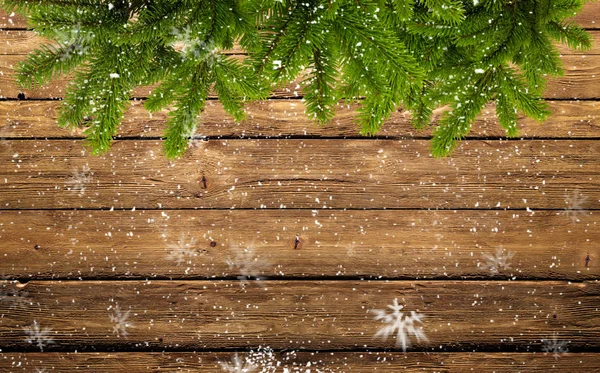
[
  {"x": 331, "y": 315},
  {"x": 390, "y": 244},
  {"x": 281, "y": 118},
  {"x": 581, "y": 81},
  {"x": 22, "y": 42},
  {"x": 313, "y": 174},
  {"x": 304, "y": 362}
]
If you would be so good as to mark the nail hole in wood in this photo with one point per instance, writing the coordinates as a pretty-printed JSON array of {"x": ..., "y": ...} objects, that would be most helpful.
[
  {"x": 298, "y": 241},
  {"x": 37, "y": 247},
  {"x": 213, "y": 244},
  {"x": 587, "y": 260},
  {"x": 203, "y": 181},
  {"x": 21, "y": 96}
]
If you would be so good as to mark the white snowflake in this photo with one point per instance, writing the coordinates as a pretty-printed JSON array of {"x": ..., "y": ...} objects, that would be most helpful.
[
  {"x": 399, "y": 324},
  {"x": 79, "y": 180},
  {"x": 237, "y": 365},
  {"x": 575, "y": 202},
  {"x": 555, "y": 346},
  {"x": 182, "y": 251},
  {"x": 14, "y": 299},
  {"x": 40, "y": 370},
  {"x": 4, "y": 134},
  {"x": 73, "y": 41},
  {"x": 38, "y": 336},
  {"x": 190, "y": 45},
  {"x": 497, "y": 262},
  {"x": 249, "y": 265},
  {"x": 120, "y": 320}
]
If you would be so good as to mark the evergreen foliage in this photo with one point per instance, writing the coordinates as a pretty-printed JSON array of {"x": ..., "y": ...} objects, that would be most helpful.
[{"x": 419, "y": 54}]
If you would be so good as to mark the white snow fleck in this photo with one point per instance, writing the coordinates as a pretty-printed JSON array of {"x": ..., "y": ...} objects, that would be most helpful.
[
  {"x": 114, "y": 76},
  {"x": 479, "y": 71}
]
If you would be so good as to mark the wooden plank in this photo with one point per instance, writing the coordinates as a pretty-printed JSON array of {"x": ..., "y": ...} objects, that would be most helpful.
[
  {"x": 581, "y": 81},
  {"x": 302, "y": 362},
  {"x": 333, "y": 315},
  {"x": 314, "y": 174},
  {"x": 22, "y": 42},
  {"x": 588, "y": 17},
  {"x": 389, "y": 244},
  {"x": 281, "y": 118},
  {"x": 11, "y": 21}
]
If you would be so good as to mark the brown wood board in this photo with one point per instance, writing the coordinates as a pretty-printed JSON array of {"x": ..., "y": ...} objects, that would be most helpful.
[
  {"x": 281, "y": 118},
  {"x": 299, "y": 243},
  {"x": 315, "y": 174},
  {"x": 303, "y": 362},
  {"x": 324, "y": 315},
  {"x": 580, "y": 81},
  {"x": 22, "y": 42}
]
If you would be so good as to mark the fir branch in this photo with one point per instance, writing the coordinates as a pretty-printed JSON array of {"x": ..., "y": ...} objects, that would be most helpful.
[
  {"x": 320, "y": 86},
  {"x": 456, "y": 124},
  {"x": 385, "y": 53},
  {"x": 48, "y": 62},
  {"x": 571, "y": 34},
  {"x": 182, "y": 122}
]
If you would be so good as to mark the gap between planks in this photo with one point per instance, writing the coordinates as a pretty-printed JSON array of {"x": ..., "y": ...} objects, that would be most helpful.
[{"x": 303, "y": 362}]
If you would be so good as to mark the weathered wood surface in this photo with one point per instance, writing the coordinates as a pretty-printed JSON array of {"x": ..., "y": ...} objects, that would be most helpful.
[
  {"x": 280, "y": 118},
  {"x": 588, "y": 17},
  {"x": 390, "y": 244},
  {"x": 23, "y": 42},
  {"x": 581, "y": 80},
  {"x": 303, "y": 362},
  {"x": 334, "y": 315},
  {"x": 314, "y": 174}
]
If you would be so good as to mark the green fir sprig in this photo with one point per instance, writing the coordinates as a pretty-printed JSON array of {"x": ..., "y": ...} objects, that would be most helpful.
[{"x": 381, "y": 54}]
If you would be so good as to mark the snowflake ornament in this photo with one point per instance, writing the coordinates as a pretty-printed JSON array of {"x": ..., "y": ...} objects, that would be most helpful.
[
  {"x": 497, "y": 262},
  {"x": 79, "y": 180},
  {"x": 120, "y": 320},
  {"x": 189, "y": 45},
  {"x": 14, "y": 299},
  {"x": 237, "y": 365},
  {"x": 400, "y": 324},
  {"x": 73, "y": 41},
  {"x": 249, "y": 265},
  {"x": 182, "y": 251},
  {"x": 575, "y": 202},
  {"x": 36, "y": 335},
  {"x": 555, "y": 346}
]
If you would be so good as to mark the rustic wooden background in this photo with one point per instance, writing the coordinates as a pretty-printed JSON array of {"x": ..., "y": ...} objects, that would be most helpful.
[{"x": 327, "y": 224}]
